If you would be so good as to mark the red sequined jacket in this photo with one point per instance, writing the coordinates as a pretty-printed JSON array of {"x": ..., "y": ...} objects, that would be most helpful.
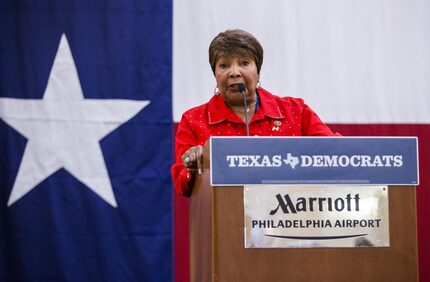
[{"x": 275, "y": 116}]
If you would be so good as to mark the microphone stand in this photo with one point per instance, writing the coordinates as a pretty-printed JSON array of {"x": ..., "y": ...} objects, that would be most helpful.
[{"x": 242, "y": 90}]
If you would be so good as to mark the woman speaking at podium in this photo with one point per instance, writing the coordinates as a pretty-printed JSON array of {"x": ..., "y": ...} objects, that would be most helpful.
[{"x": 239, "y": 107}]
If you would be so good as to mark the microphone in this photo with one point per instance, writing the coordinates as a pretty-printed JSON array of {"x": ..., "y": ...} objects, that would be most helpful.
[{"x": 242, "y": 90}]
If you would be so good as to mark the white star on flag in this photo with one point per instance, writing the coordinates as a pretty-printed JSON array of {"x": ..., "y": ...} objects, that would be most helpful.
[{"x": 64, "y": 129}]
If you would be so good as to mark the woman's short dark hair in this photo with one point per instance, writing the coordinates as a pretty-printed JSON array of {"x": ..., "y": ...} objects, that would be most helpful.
[{"x": 235, "y": 42}]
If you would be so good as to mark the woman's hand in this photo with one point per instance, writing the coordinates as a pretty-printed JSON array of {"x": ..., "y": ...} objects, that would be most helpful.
[{"x": 192, "y": 158}]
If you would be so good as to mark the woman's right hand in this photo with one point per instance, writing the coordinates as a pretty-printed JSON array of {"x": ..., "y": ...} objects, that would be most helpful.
[{"x": 192, "y": 158}]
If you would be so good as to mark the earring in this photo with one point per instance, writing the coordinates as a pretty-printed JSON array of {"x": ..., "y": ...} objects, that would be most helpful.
[
  {"x": 216, "y": 90},
  {"x": 258, "y": 84}
]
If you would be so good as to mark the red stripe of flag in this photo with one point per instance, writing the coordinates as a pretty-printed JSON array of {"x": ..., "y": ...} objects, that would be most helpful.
[{"x": 181, "y": 237}]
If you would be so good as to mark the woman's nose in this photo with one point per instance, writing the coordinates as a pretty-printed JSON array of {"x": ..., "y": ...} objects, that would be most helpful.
[{"x": 235, "y": 71}]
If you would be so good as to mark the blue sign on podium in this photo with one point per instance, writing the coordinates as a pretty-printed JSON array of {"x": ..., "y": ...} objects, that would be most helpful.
[{"x": 314, "y": 160}]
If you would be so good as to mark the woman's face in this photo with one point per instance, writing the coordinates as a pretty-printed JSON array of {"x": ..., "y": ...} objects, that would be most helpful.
[{"x": 230, "y": 71}]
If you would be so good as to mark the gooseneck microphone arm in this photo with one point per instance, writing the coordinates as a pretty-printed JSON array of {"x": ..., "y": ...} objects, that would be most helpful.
[{"x": 242, "y": 91}]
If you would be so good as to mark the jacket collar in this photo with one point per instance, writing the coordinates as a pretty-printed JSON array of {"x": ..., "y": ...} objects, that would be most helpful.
[
  {"x": 218, "y": 111},
  {"x": 268, "y": 106}
]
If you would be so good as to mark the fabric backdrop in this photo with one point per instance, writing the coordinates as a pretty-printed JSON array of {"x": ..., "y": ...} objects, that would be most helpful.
[
  {"x": 362, "y": 65},
  {"x": 85, "y": 140}
]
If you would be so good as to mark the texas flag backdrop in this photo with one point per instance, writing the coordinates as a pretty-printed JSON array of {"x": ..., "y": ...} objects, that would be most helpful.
[
  {"x": 90, "y": 92},
  {"x": 86, "y": 141}
]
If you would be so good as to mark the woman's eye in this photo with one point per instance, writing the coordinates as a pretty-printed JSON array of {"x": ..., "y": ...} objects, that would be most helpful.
[
  {"x": 222, "y": 66},
  {"x": 245, "y": 63}
]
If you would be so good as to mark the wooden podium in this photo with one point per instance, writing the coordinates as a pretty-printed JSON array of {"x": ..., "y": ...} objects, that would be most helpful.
[{"x": 217, "y": 251}]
